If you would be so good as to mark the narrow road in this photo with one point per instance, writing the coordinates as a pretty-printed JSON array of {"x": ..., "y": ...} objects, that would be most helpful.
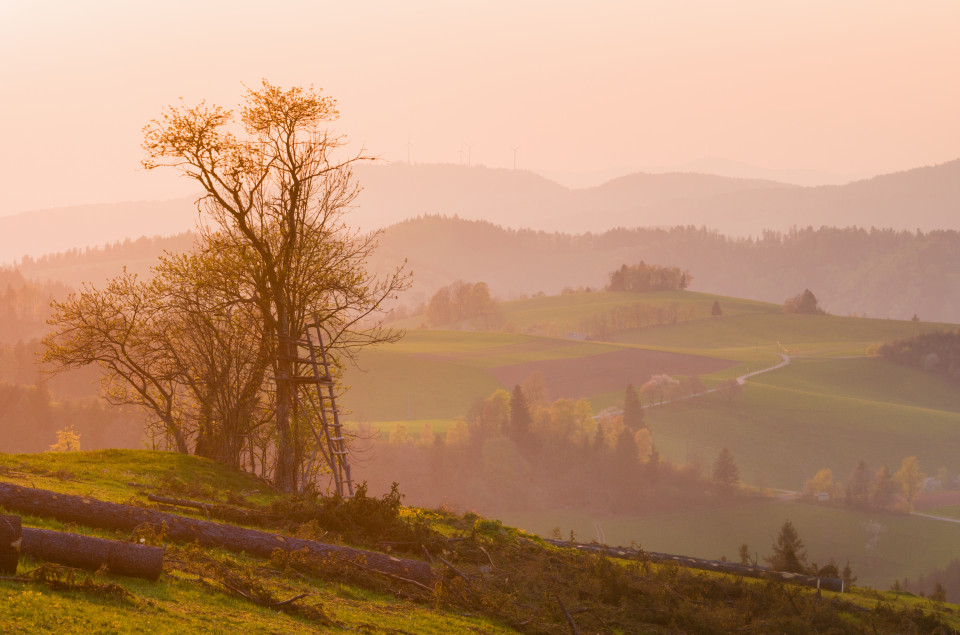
[
  {"x": 932, "y": 517},
  {"x": 742, "y": 379}
]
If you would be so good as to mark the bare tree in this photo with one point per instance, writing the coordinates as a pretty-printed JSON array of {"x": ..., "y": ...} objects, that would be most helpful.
[{"x": 276, "y": 191}]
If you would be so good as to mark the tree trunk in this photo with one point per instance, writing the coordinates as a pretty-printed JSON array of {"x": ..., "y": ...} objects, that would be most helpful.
[
  {"x": 85, "y": 552},
  {"x": 94, "y": 513},
  {"x": 10, "y": 533}
]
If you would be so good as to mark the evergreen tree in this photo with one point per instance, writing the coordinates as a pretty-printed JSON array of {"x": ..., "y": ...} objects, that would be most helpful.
[
  {"x": 858, "y": 486},
  {"x": 625, "y": 454},
  {"x": 788, "y": 551},
  {"x": 632, "y": 409},
  {"x": 715, "y": 310},
  {"x": 520, "y": 417},
  {"x": 725, "y": 472}
]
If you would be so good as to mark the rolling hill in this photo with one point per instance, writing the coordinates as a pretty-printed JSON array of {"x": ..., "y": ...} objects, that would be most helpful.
[
  {"x": 830, "y": 407},
  {"x": 925, "y": 198}
]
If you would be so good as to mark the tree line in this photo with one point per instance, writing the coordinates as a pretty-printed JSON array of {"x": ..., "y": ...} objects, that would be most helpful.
[
  {"x": 868, "y": 488},
  {"x": 518, "y": 449},
  {"x": 936, "y": 352}
]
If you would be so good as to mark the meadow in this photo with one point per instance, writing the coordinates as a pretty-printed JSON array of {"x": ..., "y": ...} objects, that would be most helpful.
[{"x": 906, "y": 546}]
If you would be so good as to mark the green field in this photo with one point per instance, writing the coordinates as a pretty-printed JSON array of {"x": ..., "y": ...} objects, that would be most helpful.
[
  {"x": 908, "y": 546},
  {"x": 818, "y": 413},
  {"x": 181, "y": 602}
]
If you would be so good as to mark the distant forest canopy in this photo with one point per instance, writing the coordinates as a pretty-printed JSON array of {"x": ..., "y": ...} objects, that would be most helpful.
[
  {"x": 25, "y": 306},
  {"x": 643, "y": 277},
  {"x": 875, "y": 273},
  {"x": 937, "y": 352}
]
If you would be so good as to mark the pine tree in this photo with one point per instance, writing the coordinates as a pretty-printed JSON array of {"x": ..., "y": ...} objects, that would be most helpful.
[
  {"x": 715, "y": 310},
  {"x": 788, "y": 551},
  {"x": 858, "y": 486},
  {"x": 725, "y": 472},
  {"x": 632, "y": 409},
  {"x": 520, "y": 417}
]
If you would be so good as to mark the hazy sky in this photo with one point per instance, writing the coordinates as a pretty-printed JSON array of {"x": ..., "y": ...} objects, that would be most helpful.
[{"x": 847, "y": 87}]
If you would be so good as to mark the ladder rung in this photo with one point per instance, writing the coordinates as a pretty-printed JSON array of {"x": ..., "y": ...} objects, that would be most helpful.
[{"x": 302, "y": 360}]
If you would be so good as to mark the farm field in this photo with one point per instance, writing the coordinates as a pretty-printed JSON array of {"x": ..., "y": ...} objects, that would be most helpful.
[
  {"x": 438, "y": 374},
  {"x": 906, "y": 545},
  {"x": 832, "y": 413}
]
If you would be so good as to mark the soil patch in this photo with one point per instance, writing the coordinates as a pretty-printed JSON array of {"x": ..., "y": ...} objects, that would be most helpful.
[
  {"x": 607, "y": 372},
  {"x": 532, "y": 346}
]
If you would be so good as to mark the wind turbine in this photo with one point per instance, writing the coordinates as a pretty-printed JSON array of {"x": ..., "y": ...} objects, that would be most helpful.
[
  {"x": 514, "y": 148},
  {"x": 469, "y": 151}
]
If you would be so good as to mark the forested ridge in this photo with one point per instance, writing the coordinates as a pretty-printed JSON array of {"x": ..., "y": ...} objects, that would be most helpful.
[{"x": 880, "y": 273}]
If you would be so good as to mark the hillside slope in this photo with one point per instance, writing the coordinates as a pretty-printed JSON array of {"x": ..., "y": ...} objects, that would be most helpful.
[{"x": 503, "y": 581}]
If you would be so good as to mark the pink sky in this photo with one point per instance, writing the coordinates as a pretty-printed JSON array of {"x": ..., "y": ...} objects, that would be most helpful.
[{"x": 846, "y": 87}]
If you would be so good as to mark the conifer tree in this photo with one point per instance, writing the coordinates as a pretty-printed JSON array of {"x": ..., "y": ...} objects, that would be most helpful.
[
  {"x": 632, "y": 409},
  {"x": 788, "y": 551}
]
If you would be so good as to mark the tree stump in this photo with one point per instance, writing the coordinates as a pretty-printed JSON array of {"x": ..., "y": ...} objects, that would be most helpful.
[{"x": 10, "y": 533}]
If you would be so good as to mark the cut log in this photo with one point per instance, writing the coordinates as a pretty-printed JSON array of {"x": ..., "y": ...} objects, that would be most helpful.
[
  {"x": 10, "y": 533},
  {"x": 86, "y": 552},
  {"x": 95, "y": 513}
]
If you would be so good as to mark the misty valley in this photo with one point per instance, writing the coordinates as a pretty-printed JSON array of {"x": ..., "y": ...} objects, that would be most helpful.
[{"x": 499, "y": 406}]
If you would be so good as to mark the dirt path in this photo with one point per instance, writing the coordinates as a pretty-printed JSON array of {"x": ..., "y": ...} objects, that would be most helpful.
[
  {"x": 741, "y": 380},
  {"x": 932, "y": 517}
]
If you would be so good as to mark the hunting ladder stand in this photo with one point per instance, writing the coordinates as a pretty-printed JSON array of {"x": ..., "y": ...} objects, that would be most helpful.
[{"x": 319, "y": 391}]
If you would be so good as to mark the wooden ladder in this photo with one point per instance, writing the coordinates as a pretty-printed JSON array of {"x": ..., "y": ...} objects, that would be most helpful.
[{"x": 331, "y": 443}]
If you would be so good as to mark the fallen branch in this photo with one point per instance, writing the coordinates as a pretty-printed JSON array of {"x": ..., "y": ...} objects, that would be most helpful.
[
  {"x": 389, "y": 575},
  {"x": 573, "y": 625}
]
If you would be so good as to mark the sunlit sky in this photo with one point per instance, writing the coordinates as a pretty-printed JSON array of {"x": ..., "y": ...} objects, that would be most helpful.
[{"x": 844, "y": 87}]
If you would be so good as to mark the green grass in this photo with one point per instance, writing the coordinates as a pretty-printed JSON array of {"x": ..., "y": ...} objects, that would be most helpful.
[
  {"x": 569, "y": 309},
  {"x": 177, "y": 603},
  {"x": 815, "y": 414},
  {"x": 909, "y": 546},
  {"x": 825, "y": 335},
  {"x": 185, "y": 600}
]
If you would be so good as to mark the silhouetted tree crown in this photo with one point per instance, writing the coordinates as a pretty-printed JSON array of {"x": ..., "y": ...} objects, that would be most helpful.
[
  {"x": 644, "y": 277},
  {"x": 805, "y": 303}
]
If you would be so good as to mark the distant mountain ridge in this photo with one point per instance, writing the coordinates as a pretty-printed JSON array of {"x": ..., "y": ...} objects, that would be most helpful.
[{"x": 926, "y": 198}]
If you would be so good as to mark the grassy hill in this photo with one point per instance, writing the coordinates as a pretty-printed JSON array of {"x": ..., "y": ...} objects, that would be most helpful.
[
  {"x": 832, "y": 406},
  {"x": 503, "y": 580}
]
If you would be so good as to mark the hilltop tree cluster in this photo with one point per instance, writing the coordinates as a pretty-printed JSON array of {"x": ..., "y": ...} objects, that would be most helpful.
[
  {"x": 643, "y": 277},
  {"x": 804, "y": 303},
  {"x": 464, "y": 301}
]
